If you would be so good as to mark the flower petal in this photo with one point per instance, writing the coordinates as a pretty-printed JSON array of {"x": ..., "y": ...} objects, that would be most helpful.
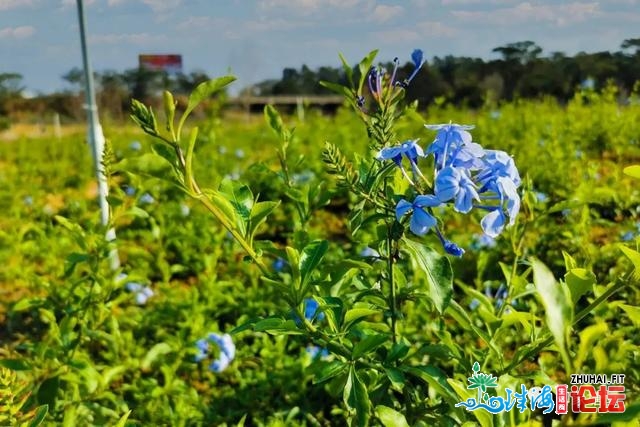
[
  {"x": 402, "y": 208},
  {"x": 421, "y": 222},
  {"x": 493, "y": 223}
]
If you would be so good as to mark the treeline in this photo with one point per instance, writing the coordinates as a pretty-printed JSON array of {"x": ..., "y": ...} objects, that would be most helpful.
[
  {"x": 114, "y": 91},
  {"x": 522, "y": 71}
]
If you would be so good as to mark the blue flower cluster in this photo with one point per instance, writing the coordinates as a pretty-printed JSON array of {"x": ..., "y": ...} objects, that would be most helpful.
[
  {"x": 465, "y": 175},
  {"x": 225, "y": 345},
  {"x": 382, "y": 88}
]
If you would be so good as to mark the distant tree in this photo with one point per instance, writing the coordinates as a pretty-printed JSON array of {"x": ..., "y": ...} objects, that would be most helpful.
[{"x": 523, "y": 52}]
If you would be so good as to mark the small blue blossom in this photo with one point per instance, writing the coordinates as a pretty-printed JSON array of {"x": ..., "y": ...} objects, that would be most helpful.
[
  {"x": 147, "y": 199},
  {"x": 27, "y": 200},
  {"x": 129, "y": 190},
  {"x": 417, "y": 57},
  {"x": 135, "y": 146},
  {"x": 311, "y": 311},
  {"x": 421, "y": 220},
  {"x": 455, "y": 183},
  {"x": 239, "y": 153},
  {"x": 628, "y": 236},
  {"x": 451, "y": 141},
  {"x": 279, "y": 264},
  {"x": 226, "y": 347},
  {"x": 452, "y": 249},
  {"x": 541, "y": 197},
  {"x": 409, "y": 149},
  {"x": 141, "y": 292},
  {"x": 474, "y": 304},
  {"x": 369, "y": 253}
]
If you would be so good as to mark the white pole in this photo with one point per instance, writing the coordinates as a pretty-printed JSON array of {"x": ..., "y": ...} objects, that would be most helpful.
[{"x": 95, "y": 136}]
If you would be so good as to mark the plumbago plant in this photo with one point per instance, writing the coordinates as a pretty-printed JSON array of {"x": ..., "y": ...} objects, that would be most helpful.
[{"x": 362, "y": 313}]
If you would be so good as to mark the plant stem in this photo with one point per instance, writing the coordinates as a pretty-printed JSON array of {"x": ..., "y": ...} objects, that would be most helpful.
[{"x": 392, "y": 287}]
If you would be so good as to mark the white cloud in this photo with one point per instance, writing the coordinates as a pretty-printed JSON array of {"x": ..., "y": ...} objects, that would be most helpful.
[
  {"x": 13, "y": 4},
  {"x": 159, "y": 6},
  {"x": 383, "y": 13},
  {"x": 308, "y": 7},
  {"x": 132, "y": 38},
  {"x": 558, "y": 14},
  {"x": 22, "y": 32},
  {"x": 435, "y": 29}
]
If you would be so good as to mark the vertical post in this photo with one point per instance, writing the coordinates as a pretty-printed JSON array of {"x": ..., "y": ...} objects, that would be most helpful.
[{"x": 95, "y": 136}]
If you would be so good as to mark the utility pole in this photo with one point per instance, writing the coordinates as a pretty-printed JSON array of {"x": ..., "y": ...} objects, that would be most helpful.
[{"x": 96, "y": 137}]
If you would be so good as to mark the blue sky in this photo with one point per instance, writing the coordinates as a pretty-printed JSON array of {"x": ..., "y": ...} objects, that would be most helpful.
[{"x": 256, "y": 39}]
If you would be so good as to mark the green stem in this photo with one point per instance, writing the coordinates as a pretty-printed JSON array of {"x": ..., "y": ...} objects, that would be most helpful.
[{"x": 392, "y": 287}]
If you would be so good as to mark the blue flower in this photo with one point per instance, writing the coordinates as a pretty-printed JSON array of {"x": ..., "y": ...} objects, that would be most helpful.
[
  {"x": 135, "y": 146},
  {"x": 142, "y": 293},
  {"x": 417, "y": 57},
  {"x": 421, "y": 220},
  {"x": 474, "y": 304},
  {"x": 279, "y": 264},
  {"x": 541, "y": 197},
  {"x": 239, "y": 153},
  {"x": 493, "y": 222},
  {"x": 129, "y": 190},
  {"x": 226, "y": 347},
  {"x": 454, "y": 183},
  {"x": 369, "y": 253},
  {"x": 311, "y": 312},
  {"x": 452, "y": 249},
  {"x": 450, "y": 142},
  {"x": 147, "y": 199},
  {"x": 409, "y": 149}
]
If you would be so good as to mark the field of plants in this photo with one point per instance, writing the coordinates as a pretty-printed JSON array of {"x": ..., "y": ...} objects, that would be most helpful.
[{"x": 356, "y": 269}]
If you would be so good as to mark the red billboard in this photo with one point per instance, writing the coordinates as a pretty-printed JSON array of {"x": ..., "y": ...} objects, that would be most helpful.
[{"x": 170, "y": 63}]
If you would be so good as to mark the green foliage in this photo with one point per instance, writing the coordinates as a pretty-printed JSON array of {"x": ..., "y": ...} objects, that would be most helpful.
[{"x": 401, "y": 324}]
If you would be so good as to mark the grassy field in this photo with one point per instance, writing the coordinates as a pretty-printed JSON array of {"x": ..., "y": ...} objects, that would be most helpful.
[{"x": 76, "y": 336}]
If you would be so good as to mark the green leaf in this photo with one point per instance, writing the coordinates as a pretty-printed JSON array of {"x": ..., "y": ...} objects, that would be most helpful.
[
  {"x": 144, "y": 117},
  {"x": 48, "y": 391},
  {"x": 38, "y": 417},
  {"x": 241, "y": 199},
  {"x": 589, "y": 337},
  {"x": 329, "y": 370},
  {"x": 390, "y": 417},
  {"x": 166, "y": 152},
  {"x": 205, "y": 90},
  {"x": 355, "y": 314},
  {"x": 169, "y": 109},
  {"x": 338, "y": 88},
  {"x": 356, "y": 397},
  {"x": 348, "y": 71},
  {"x": 259, "y": 213},
  {"x": 558, "y": 308},
  {"x": 633, "y": 171},
  {"x": 293, "y": 256},
  {"x": 154, "y": 353},
  {"x": 368, "y": 344},
  {"x": 122, "y": 422},
  {"x": 634, "y": 257},
  {"x": 580, "y": 281},
  {"x": 277, "y": 325},
  {"x": 274, "y": 120},
  {"x": 310, "y": 258},
  {"x": 436, "y": 380},
  {"x": 364, "y": 66},
  {"x": 434, "y": 271},
  {"x": 26, "y": 303},
  {"x": 632, "y": 312},
  {"x": 149, "y": 164},
  {"x": 15, "y": 364},
  {"x": 242, "y": 420}
]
